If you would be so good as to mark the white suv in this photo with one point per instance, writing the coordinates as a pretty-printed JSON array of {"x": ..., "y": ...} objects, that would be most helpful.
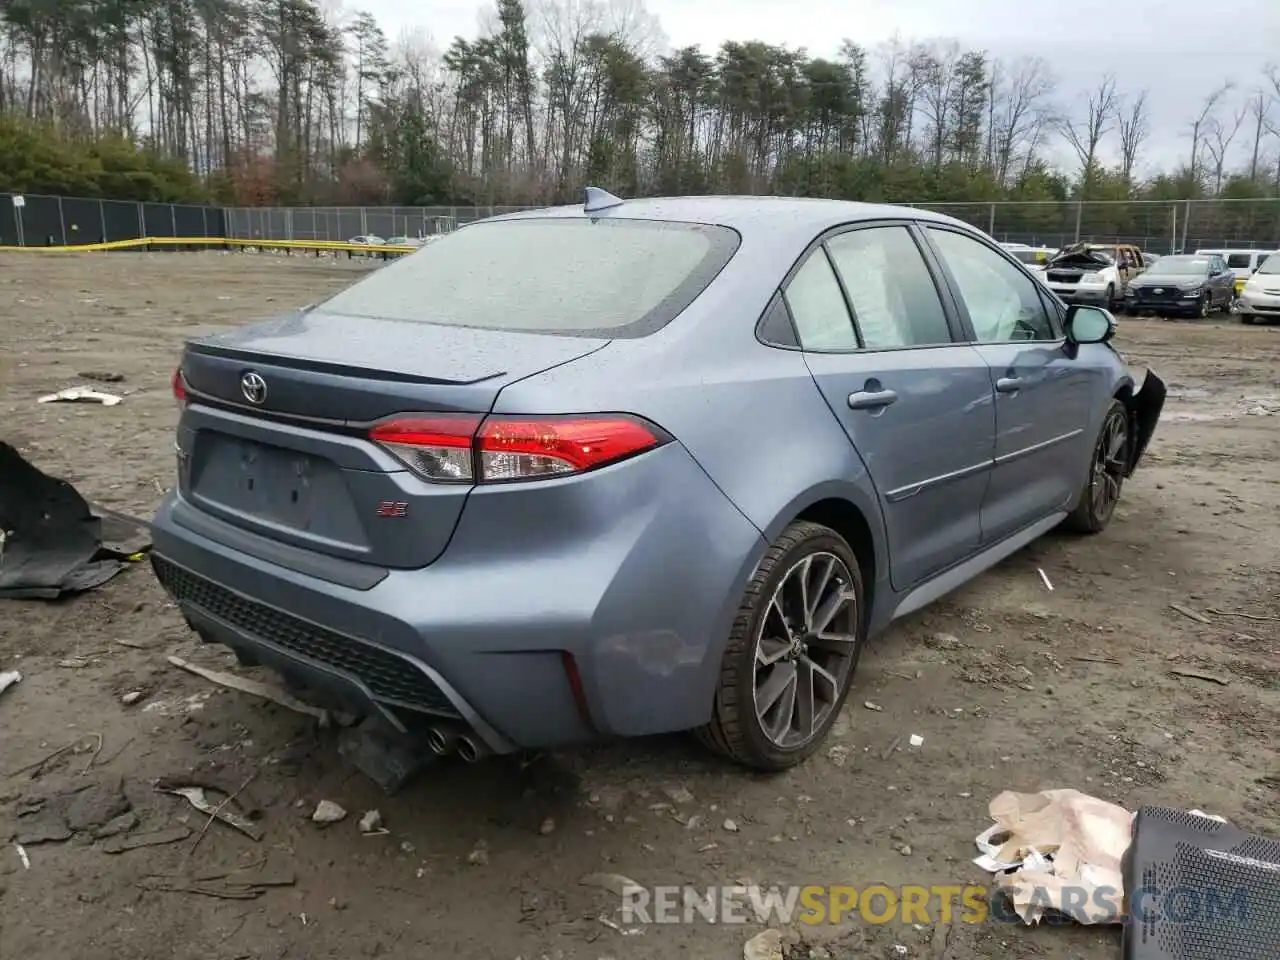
[
  {"x": 1259, "y": 298},
  {"x": 1093, "y": 273}
]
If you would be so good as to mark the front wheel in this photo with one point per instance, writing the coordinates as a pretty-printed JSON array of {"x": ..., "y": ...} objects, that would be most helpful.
[
  {"x": 792, "y": 652},
  {"x": 1206, "y": 306},
  {"x": 1107, "y": 469}
]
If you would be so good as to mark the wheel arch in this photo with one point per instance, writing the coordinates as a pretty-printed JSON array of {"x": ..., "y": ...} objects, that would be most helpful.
[{"x": 855, "y": 514}]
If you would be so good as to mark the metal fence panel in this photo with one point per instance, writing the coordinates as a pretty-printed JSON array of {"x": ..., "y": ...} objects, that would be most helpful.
[{"x": 122, "y": 220}]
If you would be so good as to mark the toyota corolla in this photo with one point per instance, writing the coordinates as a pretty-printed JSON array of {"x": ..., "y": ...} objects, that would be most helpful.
[{"x": 634, "y": 467}]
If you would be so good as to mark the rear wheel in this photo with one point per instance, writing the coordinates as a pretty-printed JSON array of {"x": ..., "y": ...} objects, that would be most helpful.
[
  {"x": 792, "y": 652},
  {"x": 1246, "y": 318},
  {"x": 1107, "y": 469}
]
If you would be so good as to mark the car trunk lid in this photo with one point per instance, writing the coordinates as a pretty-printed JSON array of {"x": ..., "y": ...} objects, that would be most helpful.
[{"x": 275, "y": 435}]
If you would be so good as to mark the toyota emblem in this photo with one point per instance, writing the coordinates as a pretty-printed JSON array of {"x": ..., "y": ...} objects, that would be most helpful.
[{"x": 253, "y": 387}]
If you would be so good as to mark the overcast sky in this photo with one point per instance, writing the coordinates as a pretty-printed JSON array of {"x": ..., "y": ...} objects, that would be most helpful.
[{"x": 1179, "y": 50}]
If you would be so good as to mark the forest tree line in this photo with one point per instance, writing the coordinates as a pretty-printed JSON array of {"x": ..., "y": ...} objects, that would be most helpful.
[{"x": 293, "y": 102}]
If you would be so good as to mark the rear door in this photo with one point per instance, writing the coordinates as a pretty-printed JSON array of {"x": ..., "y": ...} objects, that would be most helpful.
[
  {"x": 916, "y": 404},
  {"x": 1044, "y": 398}
]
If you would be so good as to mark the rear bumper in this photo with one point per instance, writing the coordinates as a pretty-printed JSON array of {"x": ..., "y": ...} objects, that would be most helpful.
[{"x": 635, "y": 571}]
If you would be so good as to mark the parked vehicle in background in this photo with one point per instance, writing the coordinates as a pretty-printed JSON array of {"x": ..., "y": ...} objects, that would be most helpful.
[
  {"x": 368, "y": 239},
  {"x": 1259, "y": 299},
  {"x": 1187, "y": 285},
  {"x": 1149, "y": 259},
  {"x": 1093, "y": 273},
  {"x": 510, "y": 490},
  {"x": 1031, "y": 257},
  {"x": 405, "y": 241},
  {"x": 1242, "y": 262}
]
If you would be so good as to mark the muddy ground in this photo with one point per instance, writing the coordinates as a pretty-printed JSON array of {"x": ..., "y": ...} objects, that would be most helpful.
[{"x": 1025, "y": 688}]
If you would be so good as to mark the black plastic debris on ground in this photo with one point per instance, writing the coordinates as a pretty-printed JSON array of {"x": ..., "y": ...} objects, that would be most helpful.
[{"x": 53, "y": 542}]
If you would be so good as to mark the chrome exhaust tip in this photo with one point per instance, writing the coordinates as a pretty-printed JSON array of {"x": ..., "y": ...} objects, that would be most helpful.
[
  {"x": 471, "y": 749},
  {"x": 441, "y": 740}
]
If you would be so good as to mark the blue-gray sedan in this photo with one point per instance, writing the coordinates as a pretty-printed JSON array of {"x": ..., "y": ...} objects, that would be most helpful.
[{"x": 633, "y": 467}]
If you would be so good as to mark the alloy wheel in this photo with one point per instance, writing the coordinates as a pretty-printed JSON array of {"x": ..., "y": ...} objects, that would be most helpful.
[
  {"x": 1109, "y": 465},
  {"x": 806, "y": 645}
]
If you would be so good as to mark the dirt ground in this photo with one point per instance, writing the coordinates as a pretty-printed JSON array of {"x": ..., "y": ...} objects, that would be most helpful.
[{"x": 1011, "y": 685}]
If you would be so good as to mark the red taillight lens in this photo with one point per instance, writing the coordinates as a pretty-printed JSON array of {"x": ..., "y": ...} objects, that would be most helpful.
[
  {"x": 436, "y": 448},
  {"x": 523, "y": 449},
  {"x": 459, "y": 448},
  {"x": 179, "y": 388}
]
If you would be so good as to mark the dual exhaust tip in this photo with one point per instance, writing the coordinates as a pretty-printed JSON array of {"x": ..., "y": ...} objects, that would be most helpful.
[{"x": 443, "y": 740}]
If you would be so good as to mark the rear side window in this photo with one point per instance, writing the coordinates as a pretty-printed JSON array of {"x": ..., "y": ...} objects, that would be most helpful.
[
  {"x": 560, "y": 275},
  {"x": 1239, "y": 261},
  {"x": 818, "y": 308}
]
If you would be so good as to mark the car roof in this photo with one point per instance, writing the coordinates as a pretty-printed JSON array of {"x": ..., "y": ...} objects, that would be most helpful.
[{"x": 747, "y": 213}]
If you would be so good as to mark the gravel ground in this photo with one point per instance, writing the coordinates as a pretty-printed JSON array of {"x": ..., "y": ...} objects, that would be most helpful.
[{"x": 1009, "y": 684}]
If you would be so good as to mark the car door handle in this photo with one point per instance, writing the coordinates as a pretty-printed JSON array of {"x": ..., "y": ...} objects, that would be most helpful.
[
  {"x": 1009, "y": 384},
  {"x": 871, "y": 399}
]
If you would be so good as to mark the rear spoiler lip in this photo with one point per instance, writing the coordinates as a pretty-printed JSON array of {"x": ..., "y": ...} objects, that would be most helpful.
[{"x": 294, "y": 362}]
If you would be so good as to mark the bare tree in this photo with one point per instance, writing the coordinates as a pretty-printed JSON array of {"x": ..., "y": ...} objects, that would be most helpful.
[
  {"x": 1260, "y": 104},
  {"x": 1019, "y": 113},
  {"x": 1086, "y": 134},
  {"x": 1218, "y": 139},
  {"x": 1135, "y": 128},
  {"x": 1260, "y": 108},
  {"x": 1200, "y": 125}
]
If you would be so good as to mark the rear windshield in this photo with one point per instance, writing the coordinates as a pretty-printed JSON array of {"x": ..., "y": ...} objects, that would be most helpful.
[
  {"x": 569, "y": 276},
  {"x": 1029, "y": 256}
]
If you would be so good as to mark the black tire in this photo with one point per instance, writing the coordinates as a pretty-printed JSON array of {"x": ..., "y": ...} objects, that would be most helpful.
[
  {"x": 1247, "y": 318},
  {"x": 1206, "y": 306},
  {"x": 1111, "y": 296},
  {"x": 1094, "y": 510},
  {"x": 735, "y": 730}
]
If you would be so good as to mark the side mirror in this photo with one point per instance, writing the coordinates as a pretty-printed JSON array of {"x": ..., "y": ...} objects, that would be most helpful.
[{"x": 1086, "y": 324}]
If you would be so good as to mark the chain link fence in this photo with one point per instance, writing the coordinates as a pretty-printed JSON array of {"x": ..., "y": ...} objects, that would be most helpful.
[
  {"x": 1158, "y": 226},
  {"x": 36, "y": 220},
  {"x": 346, "y": 223}
]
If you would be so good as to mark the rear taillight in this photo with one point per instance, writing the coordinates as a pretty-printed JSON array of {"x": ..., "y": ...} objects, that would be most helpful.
[
  {"x": 179, "y": 388},
  {"x": 436, "y": 448},
  {"x": 460, "y": 448}
]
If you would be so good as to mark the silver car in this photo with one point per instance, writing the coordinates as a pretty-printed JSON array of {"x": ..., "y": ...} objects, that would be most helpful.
[{"x": 633, "y": 467}]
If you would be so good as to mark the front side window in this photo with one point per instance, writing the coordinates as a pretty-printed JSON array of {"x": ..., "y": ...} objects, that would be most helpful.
[
  {"x": 1003, "y": 302},
  {"x": 563, "y": 275},
  {"x": 817, "y": 307},
  {"x": 895, "y": 302}
]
